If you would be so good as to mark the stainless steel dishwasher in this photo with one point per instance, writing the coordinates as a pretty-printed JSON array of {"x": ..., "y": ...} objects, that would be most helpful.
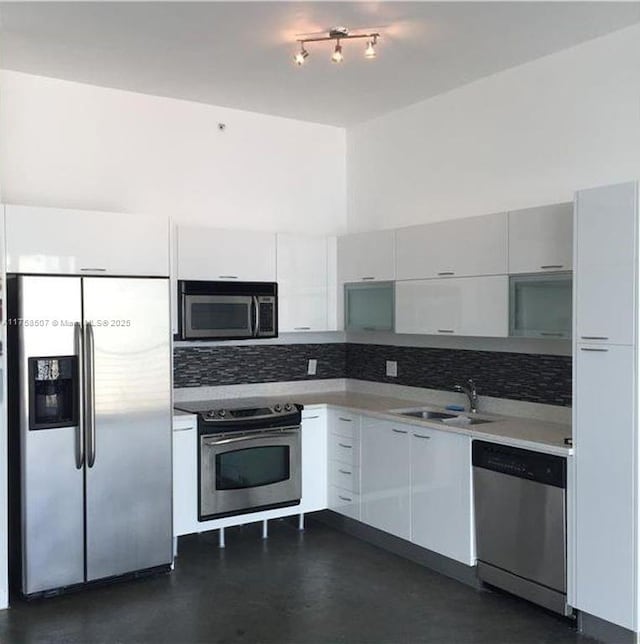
[{"x": 520, "y": 514}]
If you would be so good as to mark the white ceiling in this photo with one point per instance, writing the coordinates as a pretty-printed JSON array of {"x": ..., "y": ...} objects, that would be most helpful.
[{"x": 239, "y": 54}]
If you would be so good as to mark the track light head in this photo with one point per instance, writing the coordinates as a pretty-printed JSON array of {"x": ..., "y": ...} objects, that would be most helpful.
[
  {"x": 337, "y": 56},
  {"x": 370, "y": 51},
  {"x": 301, "y": 56}
]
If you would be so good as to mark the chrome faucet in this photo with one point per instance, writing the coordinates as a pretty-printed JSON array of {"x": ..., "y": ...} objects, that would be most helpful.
[{"x": 472, "y": 394}]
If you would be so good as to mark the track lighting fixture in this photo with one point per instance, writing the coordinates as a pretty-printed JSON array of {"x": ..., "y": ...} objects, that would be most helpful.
[{"x": 336, "y": 34}]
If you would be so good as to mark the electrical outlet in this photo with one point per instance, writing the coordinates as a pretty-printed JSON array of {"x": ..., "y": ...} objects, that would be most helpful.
[
  {"x": 392, "y": 369},
  {"x": 312, "y": 367}
]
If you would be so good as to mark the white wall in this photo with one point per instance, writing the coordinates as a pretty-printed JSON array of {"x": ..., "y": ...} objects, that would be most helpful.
[
  {"x": 78, "y": 146},
  {"x": 528, "y": 136}
]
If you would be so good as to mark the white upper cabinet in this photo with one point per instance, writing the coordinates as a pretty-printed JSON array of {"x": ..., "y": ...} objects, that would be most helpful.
[
  {"x": 386, "y": 476},
  {"x": 218, "y": 254},
  {"x": 474, "y": 306},
  {"x": 455, "y": 248},
  {"x": 606, "y": 221},
  {"x": 60, "y": 241},
  {"x": 302, "y": 274},
  {"x": 541, "y": 239},
  {"x": 367, "y": 256}
]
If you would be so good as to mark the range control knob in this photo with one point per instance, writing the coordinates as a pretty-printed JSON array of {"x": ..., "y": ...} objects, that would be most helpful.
[
  {"x": 222, "y": 413},
  {"x": 277, "y": 407},
  {"x": 288, "y": 407},
  {"x": 211, "y": 413}
]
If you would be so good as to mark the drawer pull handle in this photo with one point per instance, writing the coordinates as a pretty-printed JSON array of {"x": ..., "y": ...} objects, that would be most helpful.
[
  {"x": 344, "y": 472},
  {"x": 422, "y": 436},
  {"x": 399, "y": 431},
  {"x": 302, "y": 328},
  {"x": 345, "y": 446},
  {"x": 368, "y": 278},
  {"x": 548, "y": 334},
  {"x": 346, "y": 420},
  {"x": 94, "y": 270},
  {"x": 446, "y": 331},
  {"x": 309, "y": 417},
  {"x": 593, "y": 349},
  {"x": 548, "y": 266},
  {"x": 344, "y": 498},
  {"x": 446, "y": 273},
  {"x": 594, "y": 337},
  {"x": 228, "y": 277}
]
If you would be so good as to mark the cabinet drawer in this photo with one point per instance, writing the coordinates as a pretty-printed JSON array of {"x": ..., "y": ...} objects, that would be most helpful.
[
  {"x": 344, "y": 476},
  {"x": 343, "y": 423},
  {"x": 344, "y": 502},
  {"x": 344, "y": 449}
]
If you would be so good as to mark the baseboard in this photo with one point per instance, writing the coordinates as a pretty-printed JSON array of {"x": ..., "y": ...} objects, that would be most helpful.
[
  {"x": 604, "y": 631},
  {"x": 429, "y": 559}
]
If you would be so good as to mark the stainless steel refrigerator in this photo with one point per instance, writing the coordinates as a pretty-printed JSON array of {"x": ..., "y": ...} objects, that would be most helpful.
[{"x": 90, "y": 427}]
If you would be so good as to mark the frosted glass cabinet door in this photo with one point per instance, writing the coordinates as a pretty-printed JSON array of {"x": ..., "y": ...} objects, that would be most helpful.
[
  {"x": 369, "y": 306},
  {"x": 85, "y": 242},
  {"x": 541, "y": 239},
  {"x": 605, "y": 482},
  {"x": 605, "y": 263},
  {"x": 302, "y": 283},
  {"x": 385, "y": 476},
  {"x": 456, "y": 248}
]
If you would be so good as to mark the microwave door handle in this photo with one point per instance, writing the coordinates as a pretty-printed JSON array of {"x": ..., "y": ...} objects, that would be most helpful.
[{"x": 256, "y": 308}]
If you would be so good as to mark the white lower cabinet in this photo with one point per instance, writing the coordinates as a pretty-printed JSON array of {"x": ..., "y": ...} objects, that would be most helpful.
[
  {"x": 441, "y": 499},
  {"x": 314, "y": 460},
  {"x": 409, "y": 481},
  {"x": 185, "y": 480},
  {"x": 344, "y": 502},
  {"x": 605, "y": 484},
  {"x": 385, "y": 476},
  {"x": 344, "y": 463}
]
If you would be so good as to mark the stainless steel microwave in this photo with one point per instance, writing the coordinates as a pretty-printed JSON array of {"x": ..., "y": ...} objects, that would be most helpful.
[{"x": 227, "y": 310}]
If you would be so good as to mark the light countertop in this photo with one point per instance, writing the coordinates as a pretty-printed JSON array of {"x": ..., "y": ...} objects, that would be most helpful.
[{"x": 527, "y": 433}]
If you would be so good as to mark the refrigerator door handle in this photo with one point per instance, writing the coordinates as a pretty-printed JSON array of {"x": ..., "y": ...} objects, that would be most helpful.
[
  {"x": 79, "y": 349},
  {"x": 90, "y": 410},
  {"x": 256, "y": 308}
]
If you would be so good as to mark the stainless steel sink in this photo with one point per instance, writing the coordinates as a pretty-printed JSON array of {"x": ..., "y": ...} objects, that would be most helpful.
[
  {"x": 465, "y": 420},
  {"x": 461, "y": 420},
  {"x": 427, "y": 414}
]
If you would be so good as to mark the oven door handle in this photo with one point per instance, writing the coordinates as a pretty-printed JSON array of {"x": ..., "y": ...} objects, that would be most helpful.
[{"x": 213, "y": 442}]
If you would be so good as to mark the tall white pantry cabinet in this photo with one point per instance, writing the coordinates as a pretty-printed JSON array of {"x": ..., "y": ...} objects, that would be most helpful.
[{"x": 605, "y": 405}]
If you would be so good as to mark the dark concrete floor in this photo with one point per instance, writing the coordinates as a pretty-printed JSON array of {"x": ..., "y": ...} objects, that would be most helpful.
[{"x": 318, "y": 586}]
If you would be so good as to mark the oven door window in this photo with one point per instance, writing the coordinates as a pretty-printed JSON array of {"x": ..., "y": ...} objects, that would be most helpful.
[{"x": 252, "y": 467}]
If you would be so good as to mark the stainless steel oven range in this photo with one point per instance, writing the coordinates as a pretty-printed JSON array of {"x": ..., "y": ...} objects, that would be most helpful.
[{"x": 249, "y": 457}]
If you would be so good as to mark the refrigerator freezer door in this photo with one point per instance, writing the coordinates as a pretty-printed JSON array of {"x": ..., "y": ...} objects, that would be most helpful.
[
  {"x": 52, "y": 508},
  {"x": 128, "y": 487}
]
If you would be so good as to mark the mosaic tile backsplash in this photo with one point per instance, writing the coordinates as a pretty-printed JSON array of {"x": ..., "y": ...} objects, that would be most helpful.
[
  {"x": 517, "y": 376},
  {"x": 238, "y": 365}
]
